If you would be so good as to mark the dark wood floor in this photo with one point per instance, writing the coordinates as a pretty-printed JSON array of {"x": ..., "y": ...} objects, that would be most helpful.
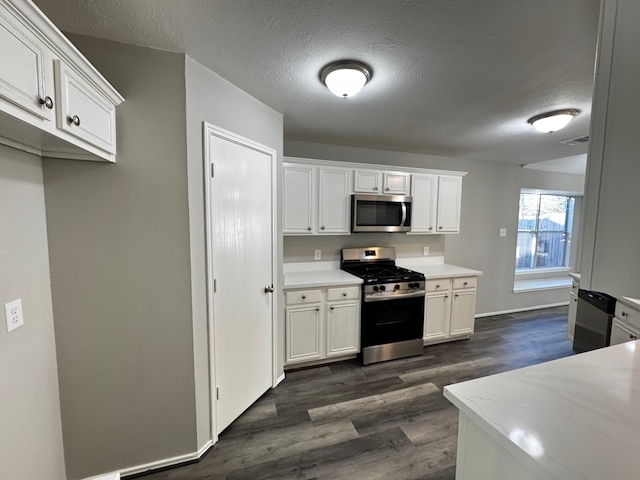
[{"x": 384, "y": 421}]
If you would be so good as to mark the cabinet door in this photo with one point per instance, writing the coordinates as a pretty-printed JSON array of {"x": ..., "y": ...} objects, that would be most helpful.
[
  {"x": 333, "y": 201},
  {"x": 573, "y": 308},
  {"x": 303, "y": 333},
  {"x": 343, "y": 329},
  {"x": 463, "y": 309},
  {"x": 83, "y": 111},
  {"x": 367, "y": 181},
  {"x": 25, "y": 80},
  {"x": 424, "y": 191},
  {"x": 449, "y": 200},
  {"x": 436, "y": 316},
  {"x": 395, "y": 183},
  {"x": 622, "y": 333},
  {"x": 298, "y": 191}
]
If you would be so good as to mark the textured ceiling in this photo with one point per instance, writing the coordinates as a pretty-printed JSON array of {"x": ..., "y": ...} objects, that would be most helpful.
[{"x": 450, "y": 77}]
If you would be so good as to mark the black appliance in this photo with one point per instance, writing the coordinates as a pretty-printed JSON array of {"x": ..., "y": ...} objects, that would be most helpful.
[
  {"x": 392, "y": 306},
  {"x": 380, "y": 213},
  {"x": 594, "y": 316}
]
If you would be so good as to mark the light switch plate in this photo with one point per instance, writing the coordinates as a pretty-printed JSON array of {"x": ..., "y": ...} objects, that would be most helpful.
[
  {"x": 13, "y": 314},
  {"x": 317, "y": 254},
  {"x": 425, "y": 251},
  {"x": 503, "y": 232}
]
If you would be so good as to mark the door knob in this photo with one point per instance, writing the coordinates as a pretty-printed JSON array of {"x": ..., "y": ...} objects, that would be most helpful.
[{"x": 268, "y": 289}]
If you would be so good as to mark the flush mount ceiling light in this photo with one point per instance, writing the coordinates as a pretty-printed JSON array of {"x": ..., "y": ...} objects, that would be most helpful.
[
  {"x": 346, "y": 77},
  {"x": 553, "y": 121}
]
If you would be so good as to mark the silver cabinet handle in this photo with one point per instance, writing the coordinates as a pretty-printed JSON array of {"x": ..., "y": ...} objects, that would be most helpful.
[
  {"x": 75, "y": 120},
  {"x": 47, "y": 102},
  {"x": 268, "y": 289}
]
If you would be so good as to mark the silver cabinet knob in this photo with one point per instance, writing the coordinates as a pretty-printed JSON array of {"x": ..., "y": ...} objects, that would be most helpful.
[
  {"x": 317, "y": 309},
  {"x": 439, "y": 228},
  {"x": 344, "y": 294},
  {"x": 309, "y": 228},
  {"x": 375, "y": 189},
  {"x": 268, "y": 289},
  {"x": 75, "y": 120},
  {"x": 332, "y": 308},
  {"x": 465, "y": 284},
  {"x": 47, "y": 102},
  {"x": 387, "y": 189},
  {"x": 430, "y": 228},
  {"x": 632, "y": 336},
  {"x": 322, "y": 227},
  {"x": 304, "y": 297},
  {"x": 624, "y": 314},
  {"x": 437, "y": 286}
]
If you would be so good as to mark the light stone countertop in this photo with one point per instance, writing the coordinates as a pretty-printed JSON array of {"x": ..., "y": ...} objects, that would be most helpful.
[
  {"x": 572, "y": 418},
  {"x": 575, "y": 276},
  {"x": 437, "y": 269},
  {"x": 319, "y": 274},
  {"x": 316, "y": 274}
]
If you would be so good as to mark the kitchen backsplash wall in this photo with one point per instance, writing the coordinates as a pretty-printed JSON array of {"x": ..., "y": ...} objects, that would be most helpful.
[{"x": 302, "y": 248}]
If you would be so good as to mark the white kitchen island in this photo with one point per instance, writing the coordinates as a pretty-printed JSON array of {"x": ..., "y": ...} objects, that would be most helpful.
[{"x": 573, "y": 418}]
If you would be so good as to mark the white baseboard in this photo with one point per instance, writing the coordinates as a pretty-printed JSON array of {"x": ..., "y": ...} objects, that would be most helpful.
[
  {"x": 523, "y": 309},
  {"x": 279, "y": 380},
  {"x": 167, "y": 462}
]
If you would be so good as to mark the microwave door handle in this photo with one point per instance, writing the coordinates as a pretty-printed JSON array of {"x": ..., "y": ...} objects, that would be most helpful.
[{"x": 404, "y": 214}]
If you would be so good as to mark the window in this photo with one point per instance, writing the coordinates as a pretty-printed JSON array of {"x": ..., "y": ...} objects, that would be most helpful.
[{"x": 544, "y": 231}]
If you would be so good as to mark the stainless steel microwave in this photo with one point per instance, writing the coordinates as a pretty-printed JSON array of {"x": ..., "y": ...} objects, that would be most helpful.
[{"x": 380, "y": 213}]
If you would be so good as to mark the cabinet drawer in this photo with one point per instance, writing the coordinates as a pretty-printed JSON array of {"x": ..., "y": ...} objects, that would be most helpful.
[
  {"x": 438, "y": 285},
  {"x": 343, "y": 293},
  {"x": 303, "y": 296},
  {"x": 628, "y": 315},
  {"x": 465, "y": 282}
]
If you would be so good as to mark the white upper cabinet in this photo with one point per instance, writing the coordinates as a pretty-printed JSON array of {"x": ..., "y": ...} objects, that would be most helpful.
[
  {"x": 316, "y": 200},
  {"x": 317, "y": 196},
  {"x": 395, "y": 183},
  {"x": 381, "y": 183},
  {"x": 449, "y": 200},
  {"x": 298, "y": 199},
  {"x": 424, "y": 191},
  {"x": 367, "y": 181},
  {"x": 67, "y": 115},
  {"x": 25, "y": 80},
  {"x": 333, "y": 200},
  {"x": 83, "y": 111}
]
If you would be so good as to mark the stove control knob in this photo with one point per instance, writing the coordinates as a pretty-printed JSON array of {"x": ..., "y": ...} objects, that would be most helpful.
[
  {"x": 411, "y": 285},
  {"x": 375, "y": 288},
  {"x": 382, "y": 288},
  {"x": 397, "y": 287}
]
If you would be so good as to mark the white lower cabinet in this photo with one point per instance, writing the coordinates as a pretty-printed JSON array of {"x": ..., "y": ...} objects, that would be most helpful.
[
  {"x": 322, "y": 323},
  {"x": 573, "y": 309},
  {"x": 449, "y": 308}
]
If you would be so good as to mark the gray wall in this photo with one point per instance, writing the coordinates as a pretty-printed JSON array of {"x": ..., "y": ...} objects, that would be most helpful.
[
  {"x": 120, "y": 267},
  {"x": 212, "y": 99},
  {"x": 611, "y": 262},
  {"x": 30, "y": 428},
  {"x": 490, "y": 195}
]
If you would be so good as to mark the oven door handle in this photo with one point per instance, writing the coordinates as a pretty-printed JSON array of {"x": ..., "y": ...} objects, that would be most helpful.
[{"x": 395, "y": 296}]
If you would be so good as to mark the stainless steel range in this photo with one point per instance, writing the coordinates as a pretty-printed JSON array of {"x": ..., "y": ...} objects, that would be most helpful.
[{"x": 392, "y": 309}]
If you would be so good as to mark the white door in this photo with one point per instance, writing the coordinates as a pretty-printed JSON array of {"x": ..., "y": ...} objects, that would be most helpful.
[{"x": 241, "y": 253}]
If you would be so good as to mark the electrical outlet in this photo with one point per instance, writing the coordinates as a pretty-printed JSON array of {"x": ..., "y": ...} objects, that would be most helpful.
[
  {"x": 503, "y": 232},
  {"x": 425, "y": 251},
  {"x": 317, "y": 254},
  {"x": 13, "y": 313}
]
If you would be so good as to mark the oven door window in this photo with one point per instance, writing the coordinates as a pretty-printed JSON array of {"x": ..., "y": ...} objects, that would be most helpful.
[{"x": 392, "y": 321}]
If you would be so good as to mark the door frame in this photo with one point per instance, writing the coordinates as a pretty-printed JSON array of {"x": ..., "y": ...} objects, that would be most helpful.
[{"x": 209, "y": 130}]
